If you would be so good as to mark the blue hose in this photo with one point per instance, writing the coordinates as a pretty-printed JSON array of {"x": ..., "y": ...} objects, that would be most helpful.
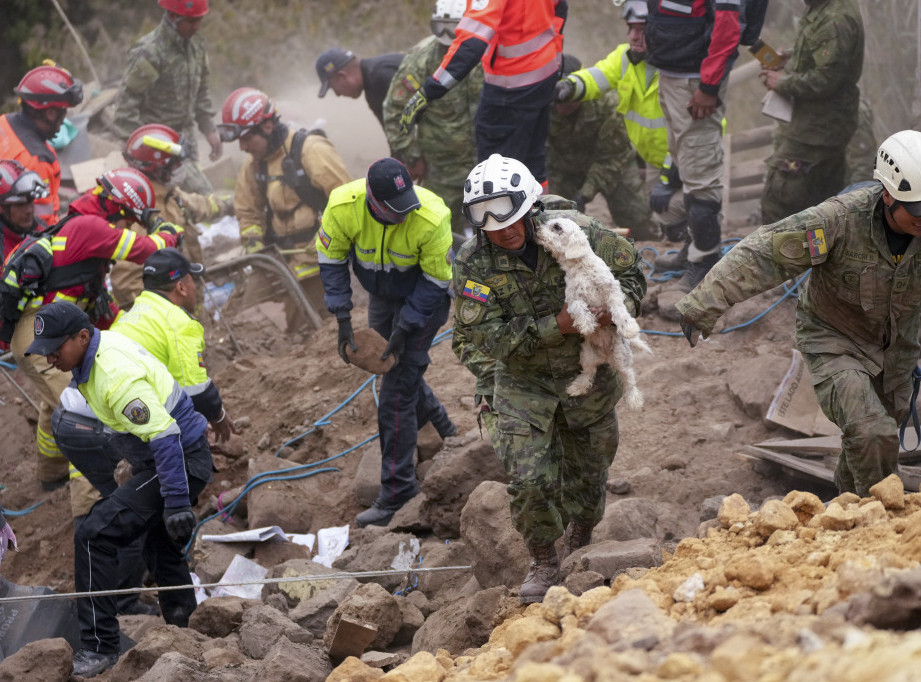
[{"x": 28, "y": 510}]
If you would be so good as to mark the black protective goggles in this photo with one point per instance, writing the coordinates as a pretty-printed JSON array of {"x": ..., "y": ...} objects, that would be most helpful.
[
  {"x": 500, "y": 206},
  {"x": 228, "y": 132}
]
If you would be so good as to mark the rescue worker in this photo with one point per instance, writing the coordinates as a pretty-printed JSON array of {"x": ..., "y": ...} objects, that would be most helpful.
[
  {"x": 693, "y": 44},
  {"x": 510, "y": 306},
  {"x": 519, "y": 43},
  {"x": 163, "y": 437},
  {"x": 808, "y": 163},
  {"x": 159, "y": 153},
  {"x": 636, "y": 82},
  {"x": 857, "y": 317},
  {"x": 19, "y": 189},
  {"x": 589, "y": 152},
  {"x": 161, "y": 321},
  {"x": 398, "y": 239},
  {"x": 349, "y": 76},
  {"x": 441, "y": 149},
  {"x": 71, "y": 266},
  {"x": 45, "y": 93},
  {"x": 280, "y": 192},
  {"x": 167, "y": 81}
]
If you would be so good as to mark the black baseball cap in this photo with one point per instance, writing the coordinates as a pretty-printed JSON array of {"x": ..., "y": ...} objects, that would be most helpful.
[
  {"x": 167, "y": 266},
  {"x": 329, "y": 63},
  {"x": 54, "y": 324},
  {"x": 391, "y": 184}
]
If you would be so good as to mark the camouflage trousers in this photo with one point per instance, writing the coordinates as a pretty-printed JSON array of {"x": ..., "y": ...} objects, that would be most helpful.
[
  {"x": 627, "y": 203},
  {"x": 799, "y": 176},
  {"x": 556, "y": 475},
  {"x": 868, "y": 418}
]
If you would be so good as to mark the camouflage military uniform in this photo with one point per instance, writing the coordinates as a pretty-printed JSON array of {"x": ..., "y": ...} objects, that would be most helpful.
[
  {"x": 166, "y": 80},
  {"x": 556, "y": 449},
  {"x": 181, "y": 208},
  {"x": 808, "y": 164},
  {"x": 443, "y": 138},
  {"x": 861, "y": 150},
  {"x": 857, "y": 318},
  {"x": 589, "y": 152}
]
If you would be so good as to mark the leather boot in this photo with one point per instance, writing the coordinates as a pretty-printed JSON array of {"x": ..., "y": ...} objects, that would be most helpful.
[
  {"x": 378, "y": 514},
  {"x": 672, "y": 262},
  {"x": 543, "y": 574},
  {"x": 577, "y": 535},
  {"x": 696, "y": 272}
]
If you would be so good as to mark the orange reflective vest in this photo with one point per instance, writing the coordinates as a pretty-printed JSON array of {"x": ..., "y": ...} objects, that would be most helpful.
[
  {"x": 523, "y": 41},
  {"x": 39, "y": 156}
]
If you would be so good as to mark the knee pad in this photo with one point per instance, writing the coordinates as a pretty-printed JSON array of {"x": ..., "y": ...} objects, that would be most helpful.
[{"x": 703, "y": 222}]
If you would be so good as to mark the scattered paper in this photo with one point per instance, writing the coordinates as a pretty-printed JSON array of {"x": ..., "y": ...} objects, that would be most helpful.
[
  {"x": 305, "y": 539},
  {"x": 331, "y": 542},
  {"x": 241, "y": 569},
  {"x": 406, "y": 555},
  {"x": 200, "y": 593},
  {"x": 266, "y": 534}
]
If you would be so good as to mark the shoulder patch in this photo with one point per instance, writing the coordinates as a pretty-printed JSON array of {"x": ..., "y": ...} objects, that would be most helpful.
[
  {"x": 476, "y": 291},
  {"x": 410, "y": 82},
  {"x": 817, "y": 243},
  {"x": 324, "y": 238},
  {"x": 470, "y": 312},
  {"x": 137, "y": 412}
]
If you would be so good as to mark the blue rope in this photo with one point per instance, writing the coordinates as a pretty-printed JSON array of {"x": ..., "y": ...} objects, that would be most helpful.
[
  {"x": 28, "y": 510},
  {"x": 7, "y": 365}
]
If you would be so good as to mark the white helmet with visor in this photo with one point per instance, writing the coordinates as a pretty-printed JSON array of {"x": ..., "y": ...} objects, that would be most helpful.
[{"x": 498, "y": 192}]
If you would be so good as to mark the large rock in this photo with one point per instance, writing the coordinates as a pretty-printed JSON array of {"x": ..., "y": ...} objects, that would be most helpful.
[
  {"x": 895, "y": 603},
  {"x": 454, "y": 474},
  {"x": 314, "y": 601},
  {"x": 48, "y": 660},
  {"x": 463, "y": 624},
  {"x": 371, "y": 604},
  {"x": 752, "y": 382},
  {"x": 263, "y": 626},
  {"x": 486, "y": 525},
  {"x": 612, "y": 558},
  {"x": 376, "y": 551},
  {"x": 411, "y": 618},
  {"x": 631, "y": 618},
  {"x": 627, "y": 519},
  {"x": 434, "y": 554},
  {"x": 290, "y": 662},
  {"x": 219, "y": 616},
  {"x": 175, "y": 667},
  {"x": 279, "y": 503},
  {"x": 366, "y": 483},
  {"x": 160, "y": 640}
]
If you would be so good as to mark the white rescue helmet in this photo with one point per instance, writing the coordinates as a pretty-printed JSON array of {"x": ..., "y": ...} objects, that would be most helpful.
[
  {"x": 898, "y": 167},
  {"x": 498, "y": 192},
  {"x": 635, "y": 11},
  {"x": 445, "y": 17}
]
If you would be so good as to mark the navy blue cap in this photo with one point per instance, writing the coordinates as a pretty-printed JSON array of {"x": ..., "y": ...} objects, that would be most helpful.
[
  {"x": 391, "y": 184},
  {"x": 168, "y": 265},
  {"x": 54, "y": 324},
  {"x": 329, "y": 63}
]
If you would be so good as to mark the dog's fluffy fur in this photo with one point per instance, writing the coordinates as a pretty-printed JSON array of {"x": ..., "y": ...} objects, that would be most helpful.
[{"x": 591, "y": 284}]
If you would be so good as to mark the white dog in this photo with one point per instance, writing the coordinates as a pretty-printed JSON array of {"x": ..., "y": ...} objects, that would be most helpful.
[{"x": 591, "y": 284}]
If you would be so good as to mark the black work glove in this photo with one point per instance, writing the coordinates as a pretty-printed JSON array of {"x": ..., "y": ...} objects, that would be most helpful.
[
  {"x": 564, "y": 91},
  {"x": 580, "y": 200},
  {"x": 396, "y": 344},
  {"x": 413, "y": 109},
  {"x": 669, "y": 183},
  {"x": 691, "y": 332},
  {"x": 346, "y": 336},
  {"x": 180, "y": 522}
]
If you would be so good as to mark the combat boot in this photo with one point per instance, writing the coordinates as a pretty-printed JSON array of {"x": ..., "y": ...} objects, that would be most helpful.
[
  {"x": 543, "y": 574},
  {"x": 378, "y": 514},
  {"x": 577, "y": 535},
  {"x": 672, "y": 262},
  {"x": 696, "y": 272},
  {"x": 90, "y": 663}
]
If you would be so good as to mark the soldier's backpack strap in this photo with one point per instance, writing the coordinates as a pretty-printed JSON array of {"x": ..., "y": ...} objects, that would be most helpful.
[{"x": 296, "y": 177}]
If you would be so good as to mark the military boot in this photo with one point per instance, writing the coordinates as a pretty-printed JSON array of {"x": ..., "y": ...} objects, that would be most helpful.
[
  {"x": 378, "y": 514},
  {"x": 696, "y": 272},
  {"x": 672, "y": 262},
  {"x": 543, "y": 574},
  {"x": 577, "y": 535}
]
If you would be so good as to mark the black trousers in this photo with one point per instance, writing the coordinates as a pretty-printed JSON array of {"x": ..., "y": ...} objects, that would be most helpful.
[
  {"x": 134, "y": 509},
  {"x": 406, "y": 401}
]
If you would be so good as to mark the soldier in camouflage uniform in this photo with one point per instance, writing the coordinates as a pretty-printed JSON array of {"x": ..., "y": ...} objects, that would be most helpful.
[
  {"x": 861, "y": 150},
  {"x": 166, "y": 80},
  {"x": 588, "y": 151},
  {"x": 442, "y": 148},
  {"x": 510, "y": 307},
  {"x": 808, "y": 163},
  {"x": 857, "y": 318}
]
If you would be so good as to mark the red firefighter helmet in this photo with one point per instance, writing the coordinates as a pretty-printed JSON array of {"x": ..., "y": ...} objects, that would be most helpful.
[
  {"x": 18, "y": 185},
  {"x": 129, "y": 190},
  {"x": 185, "y": 8},
  {"x": 243, "y": 110},
  {"x": 45, "y": 87},
  {"x": 156, "y": 150}
]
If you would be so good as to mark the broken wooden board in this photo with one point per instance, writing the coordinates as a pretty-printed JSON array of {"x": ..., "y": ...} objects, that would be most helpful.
[
  {"x": 821, "y": 446},
  {"x": 351, "y": 638}
]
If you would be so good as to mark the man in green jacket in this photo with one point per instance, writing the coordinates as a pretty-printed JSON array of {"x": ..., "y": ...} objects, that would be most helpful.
[
  {"x": 808, "y": 164},
  {"x": 510, "y": 308},
  {"x": 167, "y": 80},
  {"x": 858, "y": 315}
]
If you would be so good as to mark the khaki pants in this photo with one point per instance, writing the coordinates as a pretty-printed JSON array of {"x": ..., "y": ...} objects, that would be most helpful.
[{"x": 49, "y": 383}]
